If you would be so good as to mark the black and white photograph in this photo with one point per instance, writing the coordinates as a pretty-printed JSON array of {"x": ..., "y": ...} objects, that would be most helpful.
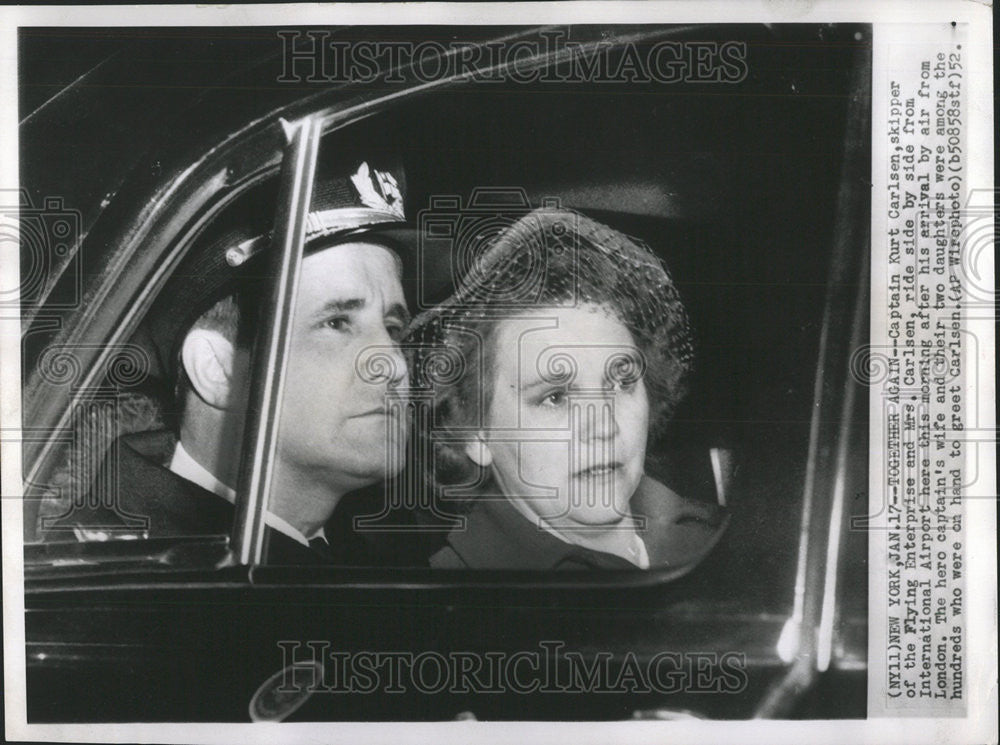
[{"x": 481, "y": 372}]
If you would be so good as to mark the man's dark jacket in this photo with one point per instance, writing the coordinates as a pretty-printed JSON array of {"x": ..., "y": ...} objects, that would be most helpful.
[{"x": 135, "y": 494}]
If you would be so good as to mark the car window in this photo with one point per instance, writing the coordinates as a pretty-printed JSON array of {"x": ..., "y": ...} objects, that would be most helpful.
[
  {"x": 462, "y": 368},
  {"x": 737, "y": 227}
]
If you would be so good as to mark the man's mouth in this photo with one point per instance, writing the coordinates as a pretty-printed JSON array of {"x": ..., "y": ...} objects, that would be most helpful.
[
  {"x": 374, "y": 413},
  {"x": 380, "y": 411}
]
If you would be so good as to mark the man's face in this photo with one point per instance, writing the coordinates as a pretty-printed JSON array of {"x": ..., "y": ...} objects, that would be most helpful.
[
  {"x": 566, "y": 431},
  {"x": 338, "y": 422}
]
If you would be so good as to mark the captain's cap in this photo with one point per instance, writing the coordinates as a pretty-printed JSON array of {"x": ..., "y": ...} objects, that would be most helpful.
[{"x": 355, "y": 199}]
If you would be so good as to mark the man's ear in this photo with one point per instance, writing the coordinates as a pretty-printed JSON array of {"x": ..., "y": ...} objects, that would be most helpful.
[
  {"x": 479, "y": 452},
  {"x": 208, "y": 361}
]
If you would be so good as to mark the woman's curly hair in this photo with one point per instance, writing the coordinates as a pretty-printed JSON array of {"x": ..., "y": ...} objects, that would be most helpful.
[{"x": 550, "y": 257}]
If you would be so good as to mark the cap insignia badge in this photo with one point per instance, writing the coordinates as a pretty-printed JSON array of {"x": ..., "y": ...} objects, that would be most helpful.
[{"x": 378, "y": 190}]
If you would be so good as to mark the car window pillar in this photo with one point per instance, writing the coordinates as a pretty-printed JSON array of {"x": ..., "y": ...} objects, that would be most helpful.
[
  {"x": 808, "y": 634},
  {"x": 270, "y": 352}
]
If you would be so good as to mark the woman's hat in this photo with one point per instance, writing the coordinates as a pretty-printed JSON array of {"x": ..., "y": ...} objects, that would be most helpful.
[{"x": 554, "y": 256}]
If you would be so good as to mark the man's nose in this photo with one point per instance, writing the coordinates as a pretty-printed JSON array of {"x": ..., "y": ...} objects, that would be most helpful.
[
  {"x": 400, "y": 370},
  {"x": 382, "y": 362}
]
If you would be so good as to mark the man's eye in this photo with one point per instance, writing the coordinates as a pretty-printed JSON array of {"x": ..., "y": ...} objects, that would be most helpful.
[
  {"x": 395, "y": 331},
  {"x": 338, "y": 323}
]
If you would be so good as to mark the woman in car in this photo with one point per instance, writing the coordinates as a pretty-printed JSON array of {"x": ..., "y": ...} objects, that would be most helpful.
[{"x": 564, "y": 346}]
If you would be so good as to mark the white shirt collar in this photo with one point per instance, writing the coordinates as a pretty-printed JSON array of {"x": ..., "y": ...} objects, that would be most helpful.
[{"x": 188, "y": 468}]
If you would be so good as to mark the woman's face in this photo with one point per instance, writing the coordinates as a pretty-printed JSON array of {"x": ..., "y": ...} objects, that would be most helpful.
[{"x": 566, "y": 428}]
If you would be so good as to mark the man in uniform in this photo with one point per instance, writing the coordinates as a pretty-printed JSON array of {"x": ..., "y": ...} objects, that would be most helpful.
[{"x": 339, "y": 427}]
